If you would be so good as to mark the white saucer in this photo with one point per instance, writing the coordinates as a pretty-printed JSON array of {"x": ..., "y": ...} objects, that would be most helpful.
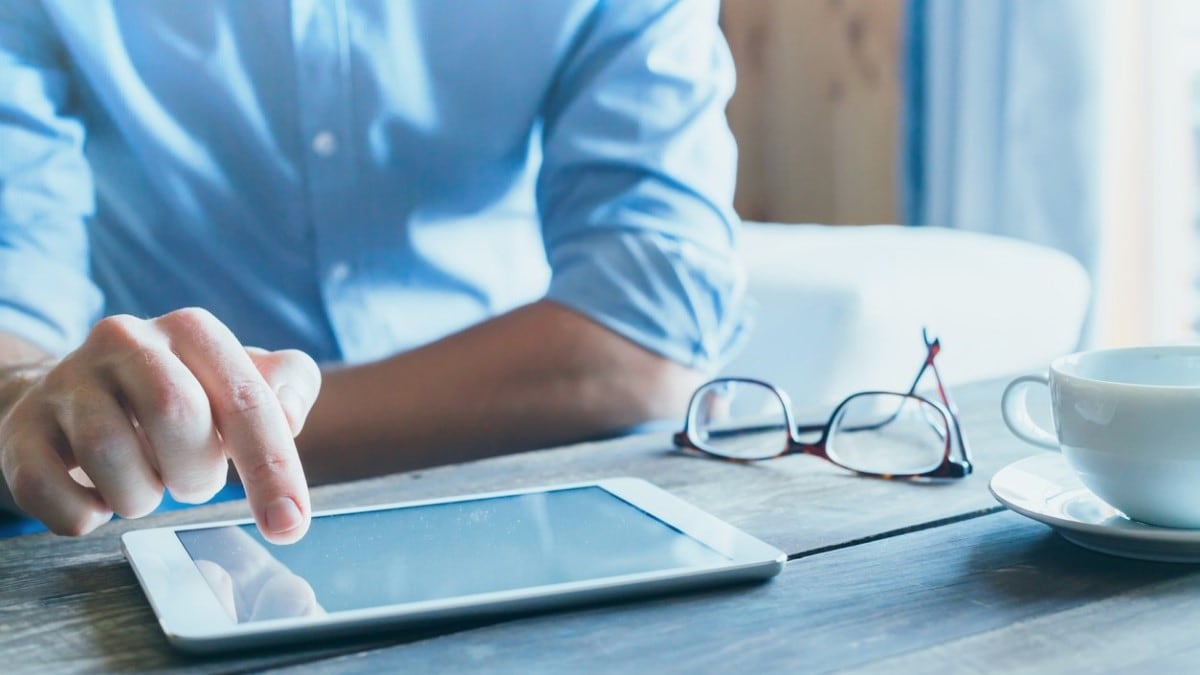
[{"x": 1044, "y": 488}]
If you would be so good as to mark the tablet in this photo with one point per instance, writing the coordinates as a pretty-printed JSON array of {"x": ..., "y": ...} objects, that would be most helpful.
[{"x": 217, "y": 586}]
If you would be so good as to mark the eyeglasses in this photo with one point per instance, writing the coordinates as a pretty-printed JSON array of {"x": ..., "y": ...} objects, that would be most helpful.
[{"x": 875, "y": 433}]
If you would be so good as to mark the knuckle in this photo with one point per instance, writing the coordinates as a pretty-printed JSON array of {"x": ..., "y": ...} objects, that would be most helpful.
[
  {"x": 189, "y": 320},
  {"x": 94, "y": 436},
  {"x": 268, "y": 467},
  {"x": 175, "y": 405},
  {"x": 70, "y": 380},
  {"x": 246, "y": 397},
  {"x": 72, "y": 405},
  {"x": 119, "y": 348},
  {"x": 173, "y": 400},
  {"x": 119, "y": 331},
  {"x": 94, "y": 447}
]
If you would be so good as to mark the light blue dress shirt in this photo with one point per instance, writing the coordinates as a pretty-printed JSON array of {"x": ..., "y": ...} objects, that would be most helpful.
[{"x": 355, "y": 179}]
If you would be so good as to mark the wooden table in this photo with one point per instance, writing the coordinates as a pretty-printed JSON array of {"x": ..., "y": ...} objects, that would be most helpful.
[{"x": 884, "y": 576}]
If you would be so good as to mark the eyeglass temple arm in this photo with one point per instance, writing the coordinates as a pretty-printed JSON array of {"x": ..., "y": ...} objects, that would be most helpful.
[
  {"x": 681, "y": 436},
  {"x": 935, "y": 346},
  {"x": 932, "y": 348}
]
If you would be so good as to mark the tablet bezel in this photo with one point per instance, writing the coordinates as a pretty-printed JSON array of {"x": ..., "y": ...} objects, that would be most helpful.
[{"x": 193, "y": 619}]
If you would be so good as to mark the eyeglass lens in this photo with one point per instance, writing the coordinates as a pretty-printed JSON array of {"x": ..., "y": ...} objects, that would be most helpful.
[
  {"x": 885, "y": 433},
  {"x": 739, "y": 420},
  {"x": 880, "y": 433}
]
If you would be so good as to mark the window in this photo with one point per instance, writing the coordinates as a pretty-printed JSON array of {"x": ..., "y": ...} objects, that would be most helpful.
[{"x": 1148, "y": 285}]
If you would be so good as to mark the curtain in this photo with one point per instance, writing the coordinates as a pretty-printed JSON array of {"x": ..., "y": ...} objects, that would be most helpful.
[{"x": 1002, "y": 119}]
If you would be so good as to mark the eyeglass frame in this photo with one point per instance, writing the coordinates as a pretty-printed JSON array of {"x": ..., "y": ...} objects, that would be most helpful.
[
  {"x": 932, "y": 349},
  {"x": 948, "y": 468}
]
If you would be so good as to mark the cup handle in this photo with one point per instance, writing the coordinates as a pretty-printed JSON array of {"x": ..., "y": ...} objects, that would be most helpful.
[{"x": 1014, "y": 406}]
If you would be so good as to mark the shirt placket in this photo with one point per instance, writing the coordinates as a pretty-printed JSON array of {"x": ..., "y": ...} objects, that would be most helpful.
[{"x": 320, "y": 31}]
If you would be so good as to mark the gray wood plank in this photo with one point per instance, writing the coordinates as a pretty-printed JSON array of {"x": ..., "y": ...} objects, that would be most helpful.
[
  {"x": 73, "y": 603},
  {"x": 1147, "y": 628},
  {"x": 996, "y": 593},
  {"x": 797, "y": 503}
]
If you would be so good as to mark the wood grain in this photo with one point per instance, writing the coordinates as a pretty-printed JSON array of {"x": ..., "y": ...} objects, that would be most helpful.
[
  {"x": 816, "y": 111},
  {"x": 73, "y": 604},
  {"x": 920, "y": 602}
]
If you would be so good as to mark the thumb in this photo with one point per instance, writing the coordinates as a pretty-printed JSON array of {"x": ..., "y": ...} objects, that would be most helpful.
[{"x": 295, "y": 379}]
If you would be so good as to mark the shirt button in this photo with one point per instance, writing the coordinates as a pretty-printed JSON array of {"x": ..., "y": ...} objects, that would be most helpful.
[{"x": 324, "y": 144}]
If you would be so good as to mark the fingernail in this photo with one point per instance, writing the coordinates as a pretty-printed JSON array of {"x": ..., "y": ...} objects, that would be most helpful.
[
  {"x": 283, "y": 516},
  {"x": 293, "y": 407}
]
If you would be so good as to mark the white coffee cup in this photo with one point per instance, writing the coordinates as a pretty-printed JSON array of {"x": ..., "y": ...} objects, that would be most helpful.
[{"x": 1128, "y": 422}]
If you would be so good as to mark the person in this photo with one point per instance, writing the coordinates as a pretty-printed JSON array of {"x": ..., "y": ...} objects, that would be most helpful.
[{"x": 494, "y": 226}]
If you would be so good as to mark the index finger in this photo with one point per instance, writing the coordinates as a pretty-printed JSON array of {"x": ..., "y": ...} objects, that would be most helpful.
[{"x": 250, "y": 419}]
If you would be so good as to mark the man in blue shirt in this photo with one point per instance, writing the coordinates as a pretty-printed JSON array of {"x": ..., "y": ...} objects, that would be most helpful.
[{"x": 497, "y": 226}]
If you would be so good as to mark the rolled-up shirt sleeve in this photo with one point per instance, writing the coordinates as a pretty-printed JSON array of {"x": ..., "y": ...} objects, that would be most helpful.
[
  {"x": 636, "y": 188},
  {"x": 46, "y": 193}
]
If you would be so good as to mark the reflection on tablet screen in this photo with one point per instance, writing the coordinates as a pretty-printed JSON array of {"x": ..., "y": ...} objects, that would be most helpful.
[{"x": 436, "y": 551}]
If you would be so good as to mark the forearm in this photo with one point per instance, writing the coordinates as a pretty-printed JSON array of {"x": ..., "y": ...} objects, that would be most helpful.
[{"x": 538, "y": 376}]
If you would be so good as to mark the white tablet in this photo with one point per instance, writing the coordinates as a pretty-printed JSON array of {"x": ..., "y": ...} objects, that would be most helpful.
[{"x": 221, "y": 585}]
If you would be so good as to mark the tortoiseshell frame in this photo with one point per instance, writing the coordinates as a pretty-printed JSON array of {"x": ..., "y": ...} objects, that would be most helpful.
[{"x": 949, "y": 467}]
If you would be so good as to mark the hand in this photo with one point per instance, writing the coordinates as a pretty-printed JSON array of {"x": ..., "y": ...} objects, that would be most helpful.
[{"x": 166, "y": 402}]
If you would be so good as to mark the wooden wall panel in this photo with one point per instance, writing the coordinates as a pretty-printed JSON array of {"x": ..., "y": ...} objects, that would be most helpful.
[{"x": 816, "y": 112}]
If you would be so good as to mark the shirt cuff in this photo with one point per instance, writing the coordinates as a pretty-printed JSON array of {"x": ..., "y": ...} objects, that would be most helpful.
[
  {"x": 675, "y": 298},
  {"x": 44, "y": 304}
]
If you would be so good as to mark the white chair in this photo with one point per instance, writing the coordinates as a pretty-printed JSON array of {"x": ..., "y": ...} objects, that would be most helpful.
[{"x": 840, "y": 309}]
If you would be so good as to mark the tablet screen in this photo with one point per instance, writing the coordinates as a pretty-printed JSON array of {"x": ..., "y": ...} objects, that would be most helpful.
[{"x": 435, "y": 551}]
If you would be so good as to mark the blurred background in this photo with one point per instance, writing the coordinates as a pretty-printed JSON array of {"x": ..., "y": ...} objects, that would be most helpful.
[{"x": 1071, "y": 123}]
